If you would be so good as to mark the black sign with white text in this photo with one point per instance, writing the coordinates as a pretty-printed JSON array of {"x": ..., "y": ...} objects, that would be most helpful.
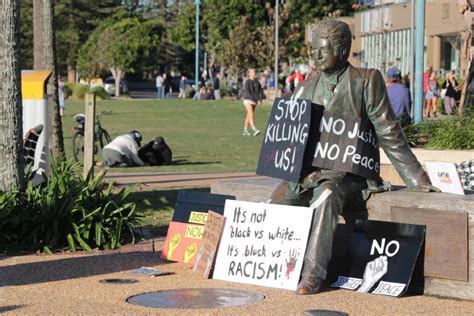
[
  {"x": 384, "y": 258},
  {"x": 347, "y": 143},
  {"x": 284, "y": 142}
]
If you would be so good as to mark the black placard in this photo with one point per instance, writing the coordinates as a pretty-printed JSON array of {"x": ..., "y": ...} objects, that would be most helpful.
[
  {"x": 284, "y": 143},
  {"x": 347, "y": 143},
  {"x": 198, "y": 202},
  {"x": 383, "y": 258}
]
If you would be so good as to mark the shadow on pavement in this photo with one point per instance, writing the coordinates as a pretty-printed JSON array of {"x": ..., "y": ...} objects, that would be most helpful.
[
  {"x": 9, "y": 308},
  {"x": 76, "y": 267}
]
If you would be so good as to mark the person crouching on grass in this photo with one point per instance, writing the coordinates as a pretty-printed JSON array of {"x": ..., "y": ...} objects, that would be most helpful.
[
  {"x": 252, "y": 95},
  {"x": 123, "y": 151}
]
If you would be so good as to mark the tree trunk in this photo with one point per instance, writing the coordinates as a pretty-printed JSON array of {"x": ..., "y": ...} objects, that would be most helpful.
[
  {"x": 11, "y": 130},
  {"x": 117, "y": 74},
  {"x": 47, "y": 37},
  {"x": 467, "y": 80},
  {"x": 71, "y": 74},
  {"x": 38, "y": 51}
]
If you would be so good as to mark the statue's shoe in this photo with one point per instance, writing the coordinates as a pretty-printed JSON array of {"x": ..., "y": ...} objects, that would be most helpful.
[{"x": 307, "y": 287}]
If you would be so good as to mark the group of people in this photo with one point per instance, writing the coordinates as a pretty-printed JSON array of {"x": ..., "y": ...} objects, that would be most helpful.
[
  {"x": 449, "y": 91},
  {"x": 126, "y": 151},
  {"x": 210, "y": 88},
  {"x": 399, "y": 94},
  {"x": 163, "y": 85}
]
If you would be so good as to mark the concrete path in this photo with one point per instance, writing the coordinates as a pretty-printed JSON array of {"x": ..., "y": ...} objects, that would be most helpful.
[
  {"x": 173, "y": 180},
  {"x": 69, "y": 285}
]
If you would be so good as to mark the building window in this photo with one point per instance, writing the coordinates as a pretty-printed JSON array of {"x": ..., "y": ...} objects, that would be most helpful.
[{"x": 445, "y": 11}]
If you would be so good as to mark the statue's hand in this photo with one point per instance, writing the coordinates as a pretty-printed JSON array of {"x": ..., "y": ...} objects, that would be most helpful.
[{"x": 425, "y": 188}]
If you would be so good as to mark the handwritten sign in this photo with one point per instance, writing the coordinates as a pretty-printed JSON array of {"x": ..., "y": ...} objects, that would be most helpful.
[
  {"x": 186, "y": 229},
  {"x": 284, "y": 143},
  {"x": 210, "y": 240},
  {"x": 347, "y": 143},
  {"x": 385, "y": 258},
  {"x": 300, "y": 136},
  {"x": 263, "y": 244}
]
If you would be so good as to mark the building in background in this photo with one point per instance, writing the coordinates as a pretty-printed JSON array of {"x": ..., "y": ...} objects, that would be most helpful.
[{"x": 382, "y": 35}]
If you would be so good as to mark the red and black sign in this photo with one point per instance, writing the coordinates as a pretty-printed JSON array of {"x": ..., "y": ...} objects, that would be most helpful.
[{"x": 187, "y": 226}]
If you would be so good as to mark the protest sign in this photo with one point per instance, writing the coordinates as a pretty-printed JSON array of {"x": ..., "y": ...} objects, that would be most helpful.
[
  {"x": 210, "y": 240},
  {"x": 347, "y": 143},
  {"x": 284, "y": 143},
  {"x": 301, "y": 136},
  {"x": 263, "y": 244},
  {"x": 385, "y": 258},
  {"x": 445, "y": 176},
  {"x": 187, "y": 225}
]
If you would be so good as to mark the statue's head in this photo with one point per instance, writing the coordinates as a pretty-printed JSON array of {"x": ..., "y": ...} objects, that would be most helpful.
[{"x": 331, "y": 44}]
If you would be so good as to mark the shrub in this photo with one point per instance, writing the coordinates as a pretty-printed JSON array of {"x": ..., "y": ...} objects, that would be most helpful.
[
  {"x": 452, "y": 133},
  {"x": 9, "y": 203},
  {"x": 100, "y": 93},
  {"x": 226, "y": 90},
  {"x": 189, "y": 92},
  {"x": 103, "y": 216},
  {"x": 79, "y": 90},
  {"x": 68, "y": 90},
  {"x": 67, "y": 210}
]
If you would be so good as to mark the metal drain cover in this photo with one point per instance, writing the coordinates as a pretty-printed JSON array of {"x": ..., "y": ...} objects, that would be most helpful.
[
  {"x": 118, "y": 281},
  {"x": 196, "y": 298}
]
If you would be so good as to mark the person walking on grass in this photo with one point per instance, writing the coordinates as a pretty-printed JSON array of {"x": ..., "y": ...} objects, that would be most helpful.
[
  {"x": 159, "y": 86},
  {"x": 166, "y": 85},
  {"x": 216, "y": 85},
  {"x": 252, "y": 95},
  {"x": 182, "y": 87}
]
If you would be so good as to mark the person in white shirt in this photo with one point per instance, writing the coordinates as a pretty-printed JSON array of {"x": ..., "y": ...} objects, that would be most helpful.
[
  {"x": 159, "y": 87},
  {"x": 123, "y": 151}
]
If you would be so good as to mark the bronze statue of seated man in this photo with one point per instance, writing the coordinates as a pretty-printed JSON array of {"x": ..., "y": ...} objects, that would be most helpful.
[{"x": 344, "y": 89}]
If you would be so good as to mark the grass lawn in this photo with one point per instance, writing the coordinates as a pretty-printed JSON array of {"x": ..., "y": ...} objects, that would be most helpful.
[
  {"x": 157, "y": 208},
  {"x": 203, "y": 135}
]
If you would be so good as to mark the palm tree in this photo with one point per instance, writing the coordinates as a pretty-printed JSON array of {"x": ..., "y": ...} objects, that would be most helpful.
[{"x": 11, "y": 159}]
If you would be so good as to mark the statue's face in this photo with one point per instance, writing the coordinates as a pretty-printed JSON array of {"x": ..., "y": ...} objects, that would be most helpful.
[{"x": 325, "y": 55}]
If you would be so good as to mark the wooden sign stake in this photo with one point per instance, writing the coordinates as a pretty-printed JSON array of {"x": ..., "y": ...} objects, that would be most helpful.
[{"x": 89, "y": 133}]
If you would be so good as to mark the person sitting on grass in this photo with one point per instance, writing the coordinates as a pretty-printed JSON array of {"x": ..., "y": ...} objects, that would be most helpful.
[
  {"x": 123, "y": 151},
  {"x": 156, "y": 152},
  {"x": 208, "y": 93}
]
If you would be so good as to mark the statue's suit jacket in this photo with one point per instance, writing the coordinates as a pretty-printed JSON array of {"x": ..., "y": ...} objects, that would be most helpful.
[{"x": 362, "y": 93}]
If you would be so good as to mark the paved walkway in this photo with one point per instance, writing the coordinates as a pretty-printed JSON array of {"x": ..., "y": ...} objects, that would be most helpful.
[
  {"x": 69, "y": 284},
  {"x": 173, "y": 180}
]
